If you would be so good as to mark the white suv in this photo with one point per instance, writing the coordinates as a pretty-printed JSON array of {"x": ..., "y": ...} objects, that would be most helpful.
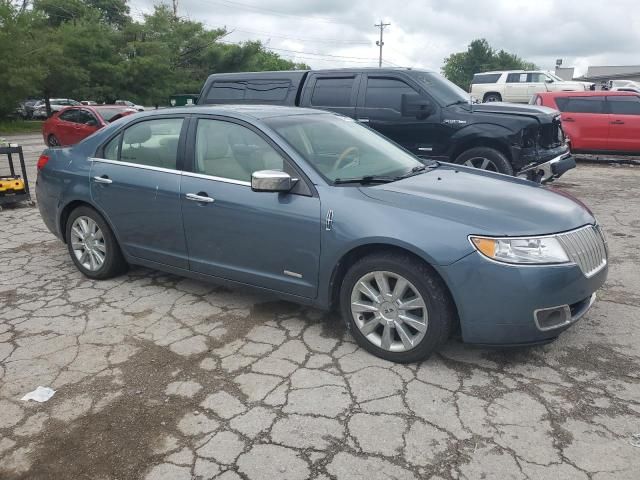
[{"x": 519, "y": 85}]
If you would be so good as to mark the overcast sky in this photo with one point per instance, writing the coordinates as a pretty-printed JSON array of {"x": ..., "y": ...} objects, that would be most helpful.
[{"x": 340, "y": 33}]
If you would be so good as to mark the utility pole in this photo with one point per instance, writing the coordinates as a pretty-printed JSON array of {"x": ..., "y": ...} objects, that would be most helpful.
[
  {"x": 175, "y": 8},
  {"x": 380, "y": 43}
]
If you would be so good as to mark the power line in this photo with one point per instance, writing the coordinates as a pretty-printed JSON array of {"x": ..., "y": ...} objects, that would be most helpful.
[
  {"x": 302, "y": 39},
  {"x": 246, "y": 6}
]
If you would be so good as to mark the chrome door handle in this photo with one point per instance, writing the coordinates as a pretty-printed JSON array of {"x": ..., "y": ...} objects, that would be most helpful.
[
  {"x": 363, "y": 120},
  {"x": 199, "y": 198},
  {"x": 102, "y": 180},
  {"x": 617, "y": 122}
]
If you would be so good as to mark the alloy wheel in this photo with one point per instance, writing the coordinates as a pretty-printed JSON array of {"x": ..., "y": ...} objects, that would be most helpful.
[
  {"x": 389, "y": 311},
  {"x": 53, "y": 141},
  {"x": 87, "y": 243},
  {"x": 482, "y": 164}
]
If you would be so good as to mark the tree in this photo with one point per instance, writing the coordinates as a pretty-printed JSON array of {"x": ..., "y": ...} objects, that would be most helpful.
[{"x": 480, "y": 57}]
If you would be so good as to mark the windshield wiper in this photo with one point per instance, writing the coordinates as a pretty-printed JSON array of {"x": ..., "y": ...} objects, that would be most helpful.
[
  {"x": 419, "y": 169},
  {"x": 458, "y": 102},
  {"x": 365, "y": 179}
]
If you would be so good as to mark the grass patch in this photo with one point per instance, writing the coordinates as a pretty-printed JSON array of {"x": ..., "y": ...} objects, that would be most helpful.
[{"x": 13, "y": 127}]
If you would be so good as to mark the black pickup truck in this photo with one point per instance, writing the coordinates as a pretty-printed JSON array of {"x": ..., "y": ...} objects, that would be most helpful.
[{"x": 418, "y": 109}]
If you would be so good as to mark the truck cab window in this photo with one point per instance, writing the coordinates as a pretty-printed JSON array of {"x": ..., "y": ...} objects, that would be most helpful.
[
  {"x": 332, "y": 92},
  {"x": 386, "y": 93}
]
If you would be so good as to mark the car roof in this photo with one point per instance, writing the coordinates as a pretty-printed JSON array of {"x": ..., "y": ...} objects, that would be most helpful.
[
  {"x": 254, "y": 111},
  {"x": 590, "y": 93}
]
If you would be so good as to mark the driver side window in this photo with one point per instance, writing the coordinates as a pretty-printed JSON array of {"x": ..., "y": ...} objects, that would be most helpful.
[
  {"x": 232, "y": 151},
  {"x": 385, "y": 94}
]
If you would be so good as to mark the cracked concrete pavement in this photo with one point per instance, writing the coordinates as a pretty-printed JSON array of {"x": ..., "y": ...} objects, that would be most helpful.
[{"x": 161, "y": 377}]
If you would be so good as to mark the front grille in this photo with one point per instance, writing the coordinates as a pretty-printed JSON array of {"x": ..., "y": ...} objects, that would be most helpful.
[{"x": 586, "y": 248}]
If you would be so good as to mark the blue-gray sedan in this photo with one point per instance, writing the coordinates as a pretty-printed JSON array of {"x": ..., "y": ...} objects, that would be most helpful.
[{"x": 320, "y": 210}]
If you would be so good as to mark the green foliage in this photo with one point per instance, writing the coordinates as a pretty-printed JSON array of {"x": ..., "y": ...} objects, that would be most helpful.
[
  {"x": 12, "y": 127},
  {"x": 480, "y": 57},
  {"x": 93, "y": 50}
]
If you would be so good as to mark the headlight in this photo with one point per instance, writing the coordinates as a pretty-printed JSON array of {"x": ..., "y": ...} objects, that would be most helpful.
[{"x": 534, "y": 250}]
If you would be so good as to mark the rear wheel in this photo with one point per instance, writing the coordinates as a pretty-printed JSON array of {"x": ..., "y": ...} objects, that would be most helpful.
[
  {"x": 396, "y": 307},
  {"x": 485, "y": 158},
  {"x": 53, "y": 141},
  {"x": 492, "y": 97},
  {"x": 92, "y": 245}
]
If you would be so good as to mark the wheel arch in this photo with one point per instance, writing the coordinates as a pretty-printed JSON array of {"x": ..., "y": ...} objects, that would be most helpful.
[
  {"x": 486, "y": 94},
  {"x": 65, "y": 212},
  {"x": 356, "y": 253},
  {"x": 478, "y": 141}
]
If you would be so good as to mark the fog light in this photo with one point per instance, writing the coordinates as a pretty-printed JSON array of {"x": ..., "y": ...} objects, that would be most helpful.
[{"x": 554, "y": 317}]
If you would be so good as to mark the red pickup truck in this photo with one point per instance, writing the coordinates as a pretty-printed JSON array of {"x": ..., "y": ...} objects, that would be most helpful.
[{"x": 597, "y": 121}]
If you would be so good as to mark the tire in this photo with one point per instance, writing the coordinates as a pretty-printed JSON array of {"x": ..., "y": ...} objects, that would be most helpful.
[
  {"x": 438, "y": 313},
  {"x": 113, "y": 263},
  {"x": 485, "y": 158},
  {"x": 492, "y": 97},
  {"x": 53, "y": 141}
]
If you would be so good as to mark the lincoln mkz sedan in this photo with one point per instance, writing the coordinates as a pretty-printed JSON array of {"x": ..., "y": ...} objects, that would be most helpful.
[{"x": 320, "y": 210}]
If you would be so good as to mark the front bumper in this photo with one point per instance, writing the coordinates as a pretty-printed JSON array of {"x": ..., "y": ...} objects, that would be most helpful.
[
  {"x": 497, "y": 302},
  {"x": 550, "y": 170}
]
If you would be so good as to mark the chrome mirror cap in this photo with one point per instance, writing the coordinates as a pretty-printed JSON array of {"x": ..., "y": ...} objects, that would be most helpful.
[{"x": 271, "y": 181}]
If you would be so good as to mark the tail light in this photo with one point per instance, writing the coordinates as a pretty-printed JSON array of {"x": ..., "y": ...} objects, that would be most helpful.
[{"x": 42, "y": 161}]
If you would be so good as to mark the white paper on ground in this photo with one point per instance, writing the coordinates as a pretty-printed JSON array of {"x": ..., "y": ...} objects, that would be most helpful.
[{"x": 40, "y": 394}]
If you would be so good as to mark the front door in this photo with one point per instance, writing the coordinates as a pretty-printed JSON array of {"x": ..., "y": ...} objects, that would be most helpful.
[
  {"x": 624, "y": 130},
  {"x": 136, "y": 185},
  {"x": 380, "y": 107},
  {"x": 266, "y": 239},
  {"x": 585, "y": 121}
]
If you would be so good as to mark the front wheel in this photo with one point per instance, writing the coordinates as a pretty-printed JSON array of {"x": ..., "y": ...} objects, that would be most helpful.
[
  {"x": 492, "y": 97},
  {"x": 485, "y": 158},
  {"x": 92, "y": 245},
  {"x": 53, "y": 141},
  {"x": 396, "y": 307}
]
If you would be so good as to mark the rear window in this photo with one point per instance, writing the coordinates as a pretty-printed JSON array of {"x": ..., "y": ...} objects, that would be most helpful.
[
  {"x": 627, "y": 105},
  {"x": 109, "y": 113},
  {"x": 255, "y": 91},
  {"x": 332, "y": 92},
  {"x": 581, "y": 104},
  {"x": 486, "y": 77}
]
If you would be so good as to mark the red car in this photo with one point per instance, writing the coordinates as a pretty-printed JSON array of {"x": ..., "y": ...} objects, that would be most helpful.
[
  {"x": 597, "y": 121},
  {"x": 72, "y": 124}
]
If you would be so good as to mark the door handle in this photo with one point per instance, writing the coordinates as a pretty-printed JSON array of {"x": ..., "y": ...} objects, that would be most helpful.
[
  {"x": 102, "y": 179},
  {"x": 363, "y": 120},
  {"x": 200, "y": 197},
  {"x": 617, "y": 122},
  {"x": 569, "y": 119}
]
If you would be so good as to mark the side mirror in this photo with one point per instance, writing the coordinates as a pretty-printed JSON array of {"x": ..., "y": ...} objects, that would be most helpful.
[
  {"x": 91, "y": 123},
  {"x": 271, "y": 181},
  {"x": 414, "y": 105},
  {"x": 549, "y": 80}
]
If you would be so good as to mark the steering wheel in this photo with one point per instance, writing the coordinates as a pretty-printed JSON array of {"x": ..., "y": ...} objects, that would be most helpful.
[{"x": 349, "y": 151}]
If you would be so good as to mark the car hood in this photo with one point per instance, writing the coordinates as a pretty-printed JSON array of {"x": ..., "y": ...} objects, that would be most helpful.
[
  {"x": 534, "y": 111},
  {"x": 490, "y": 204}
]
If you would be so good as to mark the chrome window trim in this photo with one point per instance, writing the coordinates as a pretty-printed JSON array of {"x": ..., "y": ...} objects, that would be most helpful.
[
  {"x": 169, "y": 170},
  {"x": 135, "y": 165},
  {"x": 217, "y": 179}
]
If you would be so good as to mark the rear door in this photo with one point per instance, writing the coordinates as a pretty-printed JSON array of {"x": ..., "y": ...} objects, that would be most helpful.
[
  {"x": 135, "y": 183},
  {"x": 624, "y": 130},
  {"x": 585, "y": 121},
  {"x": 335, "y": 92},
  {"x": 516, "y": 88},
  {"x": 380, "y": 107},
  {"x": 66, "y": 126}
]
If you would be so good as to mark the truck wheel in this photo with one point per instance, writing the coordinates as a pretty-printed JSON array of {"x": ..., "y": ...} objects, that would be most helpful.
[
  {"x": 492, "y": 97},
  {"x": 396, "y": 308},
  {"x": 485, "y": 158}
]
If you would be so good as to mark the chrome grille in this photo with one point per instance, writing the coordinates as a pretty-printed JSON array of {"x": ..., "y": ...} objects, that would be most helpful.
[{"x": 585, "y": 247}]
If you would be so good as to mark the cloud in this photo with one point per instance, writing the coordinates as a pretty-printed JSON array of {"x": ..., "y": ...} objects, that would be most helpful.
[{"x": 423, "y": 32}]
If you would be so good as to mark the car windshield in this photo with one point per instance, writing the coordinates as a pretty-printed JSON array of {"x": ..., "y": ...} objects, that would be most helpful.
[
  {"x": 341, "y": 149},
  {"x": 108, "y": 113},
  {"x": 439, "y": 87}
]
